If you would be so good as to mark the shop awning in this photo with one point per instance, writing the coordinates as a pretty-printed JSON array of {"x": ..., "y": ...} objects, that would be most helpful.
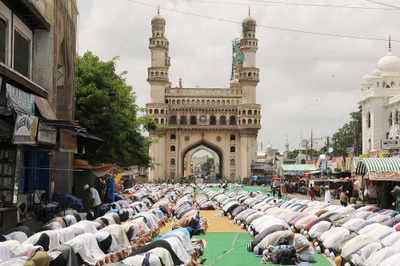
[
  {"x": 98, "y": 171},
  {"x": 353, "y": 164},
  {"x": 383, "y": 169},
  {"x": 298, "y": 167},
  {"x": 44, "y": 108}
]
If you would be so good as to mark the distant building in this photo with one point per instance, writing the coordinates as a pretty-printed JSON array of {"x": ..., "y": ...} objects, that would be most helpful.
[
  {"x": 381, "y": 105},
  {"x": 266, "y": 163},
  {"x": 301, "y": 158}
]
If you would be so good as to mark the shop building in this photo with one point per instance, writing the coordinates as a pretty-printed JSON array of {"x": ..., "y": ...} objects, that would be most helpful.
[{"x": 38, "y": 137}]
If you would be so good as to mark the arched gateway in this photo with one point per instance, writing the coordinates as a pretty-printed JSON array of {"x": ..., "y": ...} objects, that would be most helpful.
[
  {"x": 201, "y": 145},
  {"x": 224, "y": 121}
]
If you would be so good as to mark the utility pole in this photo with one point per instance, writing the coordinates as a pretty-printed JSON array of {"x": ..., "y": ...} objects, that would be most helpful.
[
  {"x": 327, "y": 151},
  {"x": 327, "y": 143},
  {"x": 311, "y": 146},
  {"x": 287, "y": 144}
]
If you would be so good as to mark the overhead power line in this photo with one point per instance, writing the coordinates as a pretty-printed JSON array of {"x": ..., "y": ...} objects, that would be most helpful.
[
  {"x": 383, "y": 4},
  {"x": 279, "y": 3},
  {"x": 278, "y": 28}
]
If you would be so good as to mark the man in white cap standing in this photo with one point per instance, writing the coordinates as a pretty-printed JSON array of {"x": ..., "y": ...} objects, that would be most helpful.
[{"x": 92, "y": 198}]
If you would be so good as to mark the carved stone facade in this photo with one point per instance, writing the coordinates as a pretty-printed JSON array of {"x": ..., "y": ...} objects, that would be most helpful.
[
  {"x": 224, "y": 121},
  {"x": 380, "y": 104}
]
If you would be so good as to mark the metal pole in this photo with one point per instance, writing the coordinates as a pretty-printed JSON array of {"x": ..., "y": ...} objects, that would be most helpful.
[{"x": 311, "y": 146}]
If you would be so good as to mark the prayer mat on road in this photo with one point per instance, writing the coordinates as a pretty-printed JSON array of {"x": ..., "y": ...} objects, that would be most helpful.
[{"x": 229, "y": 249}]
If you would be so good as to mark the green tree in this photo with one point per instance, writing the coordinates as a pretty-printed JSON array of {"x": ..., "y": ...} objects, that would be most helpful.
[
  {"x": 208, "y": 166},
  {"x": 348, "y": 136},
  {"x": 293, "y": 154},
  {"x": 105, "y": 106}
]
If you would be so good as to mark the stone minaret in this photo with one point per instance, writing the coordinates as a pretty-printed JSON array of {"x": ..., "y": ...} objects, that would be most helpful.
[
  {"x": 249, "y": 73},
  {"x": 159, "y": 81},
  {"x": 160, "y": 60}
]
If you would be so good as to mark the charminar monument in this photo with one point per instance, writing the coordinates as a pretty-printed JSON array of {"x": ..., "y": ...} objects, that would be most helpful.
[{"x": 222, "y": 121}]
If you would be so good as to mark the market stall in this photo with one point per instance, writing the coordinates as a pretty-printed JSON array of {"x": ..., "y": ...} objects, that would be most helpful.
[
  {"x": 296, "y": 169},
  {"x": 379, "y": 176},
  {"x": 293, "y": 176}
]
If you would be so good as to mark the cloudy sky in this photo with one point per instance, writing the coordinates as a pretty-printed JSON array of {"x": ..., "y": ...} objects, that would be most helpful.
[{"x": 307, "y": 81}]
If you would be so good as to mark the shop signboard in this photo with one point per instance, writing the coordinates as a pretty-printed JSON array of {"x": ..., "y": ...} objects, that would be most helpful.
[
  {"x": 293, "y": 173},
  {"x": 389, "y": 144},
  {"x": 384, "y": 176},
  {"x": 47, "y": 134},
  {"x": 25, "y": 129},
  {"x": 19, "y": 100},
  {"x": 68, "y": 141}
]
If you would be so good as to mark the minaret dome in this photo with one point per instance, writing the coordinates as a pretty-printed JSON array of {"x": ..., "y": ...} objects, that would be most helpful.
[{"x": 249, "y": 25}]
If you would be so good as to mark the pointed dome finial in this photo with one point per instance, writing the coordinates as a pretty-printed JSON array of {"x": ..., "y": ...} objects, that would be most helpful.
[
  {"x": 158, "y": 10},
  {"x": 249, "y": 12},
  {"x": 390, "y": 44}
]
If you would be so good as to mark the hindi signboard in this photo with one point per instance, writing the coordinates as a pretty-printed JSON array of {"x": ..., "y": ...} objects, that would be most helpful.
[{"x": 25, "y": 129}]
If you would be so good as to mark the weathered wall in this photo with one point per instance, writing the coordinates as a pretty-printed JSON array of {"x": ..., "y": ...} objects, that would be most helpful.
[{"x": 65, "y": 21}]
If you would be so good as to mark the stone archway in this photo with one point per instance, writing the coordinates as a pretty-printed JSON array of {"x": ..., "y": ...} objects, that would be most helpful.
[
  {"x": 205, "y": 145},
  {"x": 189, "y": 158}
]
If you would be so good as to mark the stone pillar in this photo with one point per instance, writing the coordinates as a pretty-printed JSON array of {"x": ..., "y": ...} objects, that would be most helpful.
[{"x": 63, "y": 178}]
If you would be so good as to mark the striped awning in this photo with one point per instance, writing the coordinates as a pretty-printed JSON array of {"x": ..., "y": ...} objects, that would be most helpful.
[
  {"x": 381, "y": 166},
  {"x": 353, "y": 164}
]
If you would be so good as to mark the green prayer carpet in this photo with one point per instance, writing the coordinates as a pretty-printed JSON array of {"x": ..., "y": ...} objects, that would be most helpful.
[{"x": 229, "y": 249}]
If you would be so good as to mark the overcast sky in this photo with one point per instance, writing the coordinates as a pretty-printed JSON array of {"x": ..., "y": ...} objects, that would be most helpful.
[{"x": 306, "y": 81}]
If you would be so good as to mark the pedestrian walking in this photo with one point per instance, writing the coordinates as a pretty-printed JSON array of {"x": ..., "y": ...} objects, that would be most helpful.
[
  {"x": 312, "y": 192},
  {"x": 396, "y": 193},
  {"x": 343, "y": 197},
  {"x": 328, "y": 196}
]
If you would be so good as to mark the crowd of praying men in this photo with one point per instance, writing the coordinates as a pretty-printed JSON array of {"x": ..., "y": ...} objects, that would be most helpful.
[
  {"x": 293, "y": 231},
  {"x": 127, "y": 234}
]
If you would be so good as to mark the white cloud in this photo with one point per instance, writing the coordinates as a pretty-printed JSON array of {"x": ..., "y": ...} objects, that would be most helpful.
[{"x": 295, "y": 68}]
